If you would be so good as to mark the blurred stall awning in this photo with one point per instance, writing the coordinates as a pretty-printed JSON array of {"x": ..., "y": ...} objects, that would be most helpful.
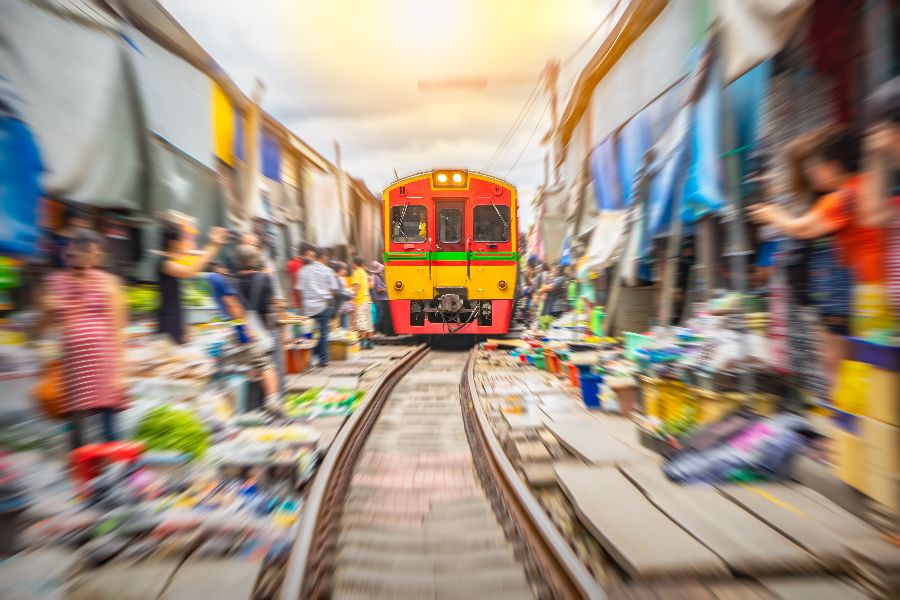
[
  {"x": 93, "y": 142},
  {"x": 755, "y": 30}
]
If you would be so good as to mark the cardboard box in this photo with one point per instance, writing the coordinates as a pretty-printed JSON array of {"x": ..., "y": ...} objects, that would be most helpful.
[
  {"x": 882, "y": 462},
  {"x": 883, "y": 401},
  {"x": 848, "y": 456}
]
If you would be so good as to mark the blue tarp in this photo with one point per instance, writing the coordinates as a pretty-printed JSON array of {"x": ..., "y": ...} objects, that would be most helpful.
[
  {"x": 20, "y": 189},
  {"x": 703, "y": 193},
  {"x": 271, "y": 157},
  {"x": 604, "y": 172},
  {"x": 634, "y": 140},
  {"x": 747, "y": 100}
]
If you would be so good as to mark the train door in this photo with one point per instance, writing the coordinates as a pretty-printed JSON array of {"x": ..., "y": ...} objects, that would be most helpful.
[
  {"x": 449, "y": 243},
  {"x": 450, "y": 226}
]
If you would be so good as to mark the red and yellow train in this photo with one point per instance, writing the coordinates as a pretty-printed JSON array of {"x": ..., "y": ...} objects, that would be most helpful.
[{"x": 450, "y": 257}]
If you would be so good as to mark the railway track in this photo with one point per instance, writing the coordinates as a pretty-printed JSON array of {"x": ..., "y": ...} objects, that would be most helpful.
[{"x": 417, "y": 499}]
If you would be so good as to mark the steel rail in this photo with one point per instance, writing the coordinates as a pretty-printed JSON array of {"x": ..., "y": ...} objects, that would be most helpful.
[
  {"x": 316, "y": 535},
  {"x": 561, "y": 569}
]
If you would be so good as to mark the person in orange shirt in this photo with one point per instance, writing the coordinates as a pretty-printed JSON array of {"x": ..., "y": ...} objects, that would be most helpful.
[{"x": 834, "y": 167}]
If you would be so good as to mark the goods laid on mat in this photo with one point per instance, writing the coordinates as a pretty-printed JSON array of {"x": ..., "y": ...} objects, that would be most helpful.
[
  {"x": 143, "y": 518},
  {"x": 317, "y": 402}
]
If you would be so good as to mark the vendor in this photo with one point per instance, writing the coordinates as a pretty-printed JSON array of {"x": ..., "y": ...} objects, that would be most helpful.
[
  {"x": 834, "y": 168},
  {"x": 176, "y": 264},
  {"x": 87, "y": 306}
]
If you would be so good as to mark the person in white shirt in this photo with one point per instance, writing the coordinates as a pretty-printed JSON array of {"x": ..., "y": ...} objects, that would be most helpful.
[{"x": 316, "y": 286}]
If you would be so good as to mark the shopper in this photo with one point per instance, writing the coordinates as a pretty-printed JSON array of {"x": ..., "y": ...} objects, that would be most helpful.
[
  {"x": 255, "y": 291},
  {"x": 87, "y": 306},
  {"x": 176, "y": 264},
  {"x": 223, "y": 294},
  {"x": 553, "y": 289},
  {"x": 293, "y": 268},
  {"x": 362, "y": 302},
  {"x": 318, "y": 285},
  {"x": 379, "y": 297},
  {"x": 343, "y": 296}
]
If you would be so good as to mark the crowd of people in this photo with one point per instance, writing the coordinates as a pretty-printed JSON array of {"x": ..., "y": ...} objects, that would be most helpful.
[{"x": 86, "y": 307}]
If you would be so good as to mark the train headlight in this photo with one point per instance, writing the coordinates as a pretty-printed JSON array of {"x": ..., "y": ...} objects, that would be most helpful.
[
  {"x": 398, "y": 285},
  {"x": 501, "y": 284},
  {"x": 449, "y": 179}
]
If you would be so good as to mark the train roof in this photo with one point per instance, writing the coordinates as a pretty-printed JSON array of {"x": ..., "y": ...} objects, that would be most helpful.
[{"x": 423, "y": 174}]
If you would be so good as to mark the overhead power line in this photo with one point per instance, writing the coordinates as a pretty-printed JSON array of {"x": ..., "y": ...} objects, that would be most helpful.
[
  {"x": 531, "y": 137},
  {"x": 513, "y": 129}
]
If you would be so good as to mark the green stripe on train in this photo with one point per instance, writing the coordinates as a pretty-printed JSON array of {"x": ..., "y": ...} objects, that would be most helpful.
[{"x": 400, "y": 256}]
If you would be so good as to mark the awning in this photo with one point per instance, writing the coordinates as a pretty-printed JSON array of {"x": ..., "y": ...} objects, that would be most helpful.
[
  {"x": 270, "y": 156},
  {"x": 553, "y": 222},
  {"x": 324, "y": 223},
  {"x": 755, "y": 30},
  {"x": 183, "y": 184},
  {"x": 634, "y": 139},
  {"x": 605, "y": 239},
  {"x": 20, "y": 171},
  {"x": 704, "y": 192},
  {"x": 79, "y": 98},
  {"x": 604, "y": 172},
  {"x": 175, "y": 97}
]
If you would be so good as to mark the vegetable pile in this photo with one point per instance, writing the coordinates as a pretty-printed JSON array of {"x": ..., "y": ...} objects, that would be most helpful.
[
  {"x": 142, "y": 299},
  {"x": 167, "y": 428}
]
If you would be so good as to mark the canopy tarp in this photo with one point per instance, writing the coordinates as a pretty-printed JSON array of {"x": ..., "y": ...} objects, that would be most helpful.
[
  {"x": 175, "y": 97},
  {"x": 553, "y": 222},
  {"x": 323, "y": 209},
  {"x": 606, "y": 236},
  {"x": 271, "y": 156},
  {"x": 604, "y": 172},
  {"x": 755, "y": 30},
  {"x": 704, "y": 192},
  {"x": 20, "y": 190},
  {"x": 183, "y": 184},
  {"x": 634, "y": 139},
  {"x": 79, "y": 97}
]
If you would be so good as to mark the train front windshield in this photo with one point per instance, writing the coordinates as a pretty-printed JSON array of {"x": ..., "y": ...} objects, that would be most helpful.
[
  {"x": 408, "y": 224},
  {"x": 491, "y": 223}
]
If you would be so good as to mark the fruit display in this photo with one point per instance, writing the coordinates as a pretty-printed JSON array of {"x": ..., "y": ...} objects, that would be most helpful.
[
  {"x": 142, "y": 299},
  {"x": 170, "y": 428},
  {"x": 195, "y": 293},
  {"x": 316, "y": 402}
]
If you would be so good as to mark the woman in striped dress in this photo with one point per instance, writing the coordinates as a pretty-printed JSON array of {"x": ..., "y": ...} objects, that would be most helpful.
[{"x": 87, "y": 306}]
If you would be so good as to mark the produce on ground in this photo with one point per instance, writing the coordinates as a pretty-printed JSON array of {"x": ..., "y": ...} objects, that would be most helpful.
[{"x": 169, "y": 428}]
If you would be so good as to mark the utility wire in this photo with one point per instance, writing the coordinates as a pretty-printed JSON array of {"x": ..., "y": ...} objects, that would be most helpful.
[
  {"x": 529, "y": 102},
  {"x": 531, "y": 137}
]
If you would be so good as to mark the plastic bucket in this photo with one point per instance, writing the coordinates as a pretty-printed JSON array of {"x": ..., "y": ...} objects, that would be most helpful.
[
  {"x": 590, "y": 389},
  {"x": 597, "y": 316},
  {"x": 540, "y": 362},
  {"x": 573, "y": 374}
]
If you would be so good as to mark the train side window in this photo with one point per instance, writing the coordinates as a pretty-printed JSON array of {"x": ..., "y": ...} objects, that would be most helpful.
[
  {"x": 490, "y": 223},
  {"x": 450, "y": 225},
  {"x": 408, "y": 224}
]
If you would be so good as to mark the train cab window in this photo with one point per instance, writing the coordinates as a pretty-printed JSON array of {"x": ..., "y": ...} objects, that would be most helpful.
[
  {"x": 450, "y": 225},
  {"x": 408, "y": 224},
  {"x": 490, "y": 223}
]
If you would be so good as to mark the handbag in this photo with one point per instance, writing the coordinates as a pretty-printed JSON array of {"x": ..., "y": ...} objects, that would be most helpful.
[
  {"x": 49, "y": 391},
  {"x": 253, "y": 320}
]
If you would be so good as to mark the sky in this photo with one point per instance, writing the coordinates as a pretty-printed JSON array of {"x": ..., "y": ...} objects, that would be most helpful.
[{"x": 352, "y": 71}]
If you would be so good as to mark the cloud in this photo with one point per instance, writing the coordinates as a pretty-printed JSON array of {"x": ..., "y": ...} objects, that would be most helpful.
[{"x": 348, "y": 70}]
